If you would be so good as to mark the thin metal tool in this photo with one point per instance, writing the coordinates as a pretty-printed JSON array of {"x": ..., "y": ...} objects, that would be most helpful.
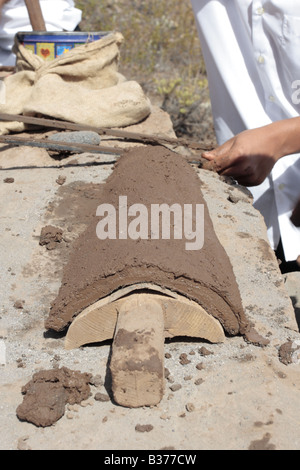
[
  {"x": 59, "y": 146},
  {"x": 133, "y": 136},
  {"x": 174, "y": 143}
]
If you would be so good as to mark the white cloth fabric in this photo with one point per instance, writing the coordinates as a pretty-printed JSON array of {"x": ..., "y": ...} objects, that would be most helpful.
[
  {"x": 58, "y": 15},
  {"x": 251, "y": 50}
]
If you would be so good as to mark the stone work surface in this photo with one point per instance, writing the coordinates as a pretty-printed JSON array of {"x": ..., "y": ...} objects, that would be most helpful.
[{"x": 234, "y": 395}]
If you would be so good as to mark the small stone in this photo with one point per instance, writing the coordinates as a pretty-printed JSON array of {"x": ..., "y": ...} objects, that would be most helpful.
[
  {"x": 183, "y": 359},
  {"x": 144, "y": 427},
  {"x": 61, "y": 180},
  {"x": 289, "y": 352},
  {"x": 76, "y": 137},
  {"x": 233, "y": 198},
  {"x": 168, "y": 356},
  {"x": 204, "y": 351},
  {"x": 74, "y": 407},
  {"x": 87, "y": 402},
  {"x": 101, "y": 397},
  {"x": 96, "y": 380},
  {"x": 9, "y": 180},
  {"x": 199, "y": 381},
  {"x": 19, "y": 304},
  {"x": 175, "y": 387},
  {"x": 190, "y": 407},
  {"x": 281, "y": 375},
  {"x": 164, "y": 416},
  {"x": 200, "y": 366}
]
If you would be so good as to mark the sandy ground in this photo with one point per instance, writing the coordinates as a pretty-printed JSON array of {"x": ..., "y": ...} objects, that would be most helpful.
[{"x": 240, "y": 397}]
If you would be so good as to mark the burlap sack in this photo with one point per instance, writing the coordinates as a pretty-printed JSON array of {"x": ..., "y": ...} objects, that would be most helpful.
[{"x": 83, "y": 86}]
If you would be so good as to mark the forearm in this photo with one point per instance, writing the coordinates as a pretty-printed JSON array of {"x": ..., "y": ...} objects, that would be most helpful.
[{"x": 286, "y": 134}]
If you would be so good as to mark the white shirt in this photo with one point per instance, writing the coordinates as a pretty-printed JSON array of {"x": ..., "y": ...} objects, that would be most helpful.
[
  {"x": 252, "y": 53},
  {"x": 58, "y": 15}
]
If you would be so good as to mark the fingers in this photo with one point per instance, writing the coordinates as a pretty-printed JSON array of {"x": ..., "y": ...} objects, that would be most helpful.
[
  {"x": 219, "y": 159},
  {"x": 229, "y": 165},
  {"x": 218, "y": 163}
]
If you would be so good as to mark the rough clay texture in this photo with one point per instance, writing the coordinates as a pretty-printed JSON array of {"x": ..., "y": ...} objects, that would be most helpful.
[
  {"x": 48, "y": 392},
  {"x": 50, "y": 236},
  {"x": 150, "y": 175},
  {"x": 244, "y": 396}
]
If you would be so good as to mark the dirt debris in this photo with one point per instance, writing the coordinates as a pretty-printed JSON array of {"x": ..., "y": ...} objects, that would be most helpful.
[
  {"x": 200, "y": 366},
  {"x": 143, "y": 427},
  {"x": 204, "y": 351},
  {"x": 48, "y": 392},
  {"x": 61, "y": 180},
  {"x": 183, "y": 359},
  {"x": 175, "y": 387},
  {"x": 190, "y": 407},
  {"x": 50, "y": 237},
  {"x": 289, "y": 352},
  {"x": 19, "y": 304},
  {"x": 252, "y": 336},
  {"x": 101, "y": 397},
  {"x": 262, "y": 444}
]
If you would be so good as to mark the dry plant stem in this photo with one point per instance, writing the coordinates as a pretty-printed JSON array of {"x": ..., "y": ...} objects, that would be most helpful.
[{"x": 35, "y": 15}]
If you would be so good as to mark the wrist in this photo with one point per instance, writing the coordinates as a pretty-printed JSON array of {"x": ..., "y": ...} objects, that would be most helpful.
[{"x": 286, "y": 137}]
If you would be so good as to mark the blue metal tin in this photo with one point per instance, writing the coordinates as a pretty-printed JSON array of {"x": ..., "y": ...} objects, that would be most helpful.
[{"x": 48, "y": 46}]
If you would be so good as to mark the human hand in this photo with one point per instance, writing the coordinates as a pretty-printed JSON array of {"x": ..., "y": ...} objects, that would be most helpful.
[{"x": 248, "y": 157}]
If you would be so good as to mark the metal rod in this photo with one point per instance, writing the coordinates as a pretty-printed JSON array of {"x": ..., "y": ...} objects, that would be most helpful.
[
  {"x": 59, "y": 146},
  {"x": 145, "y": 138}
]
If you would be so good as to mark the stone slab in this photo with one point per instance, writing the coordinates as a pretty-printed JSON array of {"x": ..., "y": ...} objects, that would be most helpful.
[{"x": 238, "y": 397}]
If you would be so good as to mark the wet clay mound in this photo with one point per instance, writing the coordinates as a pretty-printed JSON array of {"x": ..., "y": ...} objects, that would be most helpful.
[
  {"x": 47, "y": 393},
  {"x": 96, "y": 268}
]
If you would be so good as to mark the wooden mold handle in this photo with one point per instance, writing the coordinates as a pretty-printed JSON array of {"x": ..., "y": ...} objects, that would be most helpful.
[{"x": 35, "y": 15}]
